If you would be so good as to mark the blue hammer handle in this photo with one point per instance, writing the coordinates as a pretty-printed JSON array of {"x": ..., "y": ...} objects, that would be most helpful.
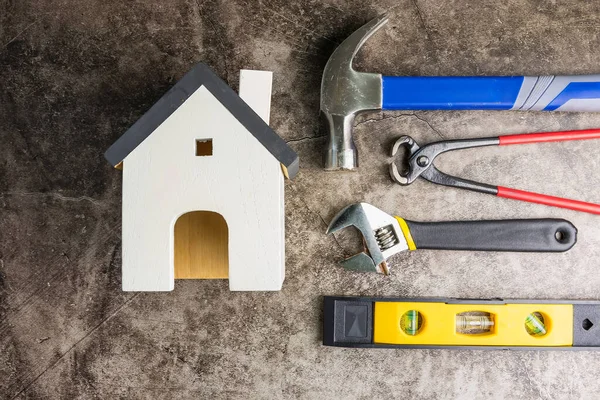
[{"x": 539, "y": 93}]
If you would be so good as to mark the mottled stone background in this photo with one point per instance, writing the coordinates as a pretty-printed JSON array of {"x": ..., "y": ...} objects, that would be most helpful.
[{"x": 74, "y": 75}]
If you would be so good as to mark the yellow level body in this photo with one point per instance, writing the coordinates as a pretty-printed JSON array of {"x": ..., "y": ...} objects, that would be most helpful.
[
  {"x": 439, "y": 324},
  {"x": 445, "y": 323}
]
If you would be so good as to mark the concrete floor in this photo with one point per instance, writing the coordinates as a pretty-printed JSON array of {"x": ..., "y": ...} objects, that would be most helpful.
[{"x": 74, "y": 75}]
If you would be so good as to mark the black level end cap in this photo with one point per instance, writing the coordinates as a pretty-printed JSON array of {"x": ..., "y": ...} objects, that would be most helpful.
[
  {"x": 347, "y": 322},
  {"x": 586, "y": 325}
]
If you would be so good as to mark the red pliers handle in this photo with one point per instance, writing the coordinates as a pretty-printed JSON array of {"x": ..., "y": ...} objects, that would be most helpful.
[{"x": 420, "y": 164}]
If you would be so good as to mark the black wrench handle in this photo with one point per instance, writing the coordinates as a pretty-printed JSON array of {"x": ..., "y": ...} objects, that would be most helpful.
[{"x": 524, "y": 235}]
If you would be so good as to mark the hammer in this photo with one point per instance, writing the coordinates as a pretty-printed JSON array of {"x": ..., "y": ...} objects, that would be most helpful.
[{"x": 346, "y": 92}]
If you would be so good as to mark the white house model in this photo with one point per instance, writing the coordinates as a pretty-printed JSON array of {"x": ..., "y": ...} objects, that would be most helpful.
[{"x": 203, "y": 187}]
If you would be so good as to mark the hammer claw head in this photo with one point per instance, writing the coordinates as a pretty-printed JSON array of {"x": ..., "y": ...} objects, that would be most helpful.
[
  {"x": 354, "y": 42},
  {"x": 346, "y": 92}
]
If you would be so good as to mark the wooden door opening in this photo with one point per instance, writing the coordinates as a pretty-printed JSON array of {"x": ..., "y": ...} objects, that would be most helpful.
[{"x": 201, "y": 246}]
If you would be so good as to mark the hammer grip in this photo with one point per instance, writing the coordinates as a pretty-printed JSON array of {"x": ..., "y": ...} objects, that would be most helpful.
[
  {"x": 526, "y": 235},
  {"x": 537, "y": 93}
]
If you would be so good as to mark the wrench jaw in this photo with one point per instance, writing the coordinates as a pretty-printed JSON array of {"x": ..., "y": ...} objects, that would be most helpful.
[
  {"x": 362, "y": 262},
  {"x": 382, "y": 236}
]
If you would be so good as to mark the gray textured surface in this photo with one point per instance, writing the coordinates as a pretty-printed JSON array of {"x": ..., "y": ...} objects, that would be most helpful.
[{"x": 74, "y": 75}]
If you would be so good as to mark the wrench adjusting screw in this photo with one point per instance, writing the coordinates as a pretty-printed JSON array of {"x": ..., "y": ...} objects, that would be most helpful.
[{"x": 385, "y": 237}]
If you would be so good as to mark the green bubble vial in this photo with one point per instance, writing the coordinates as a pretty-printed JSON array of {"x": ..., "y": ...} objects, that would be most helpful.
[
  {"x": 535, "y": 324},
  {"x": 411, "y": 322}
]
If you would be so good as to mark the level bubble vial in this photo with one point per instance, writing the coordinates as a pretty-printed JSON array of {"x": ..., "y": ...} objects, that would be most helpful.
[
  {"x": 535, "y": 324},
  {"x": 475, "y": 323},
  {"x": 411, "y": 322}
]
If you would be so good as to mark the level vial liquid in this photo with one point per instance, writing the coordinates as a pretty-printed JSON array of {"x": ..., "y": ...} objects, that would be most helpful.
[{"x": 474, "y": 323}]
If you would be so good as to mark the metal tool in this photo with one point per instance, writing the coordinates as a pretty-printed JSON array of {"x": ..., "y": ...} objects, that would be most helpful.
[
  {"x": 482, "y": 324},
  {"x": 346, "y": 92},
  {"x": 385, "y": 235},
  {"x": 421, "y": 158}
]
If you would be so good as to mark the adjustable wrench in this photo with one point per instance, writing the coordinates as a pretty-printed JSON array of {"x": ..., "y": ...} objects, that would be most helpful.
[{"x": 385, "y": 235}]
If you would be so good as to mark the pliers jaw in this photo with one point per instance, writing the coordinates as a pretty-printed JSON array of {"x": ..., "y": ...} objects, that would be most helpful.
[
  {"x": 420, "y": 163},
  {"x": 412, "y": 147}
]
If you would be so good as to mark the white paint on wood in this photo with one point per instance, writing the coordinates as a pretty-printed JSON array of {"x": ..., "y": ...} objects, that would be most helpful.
[
  {"x": 255, "y": 90},
  {"x": 242, "y": 181}
]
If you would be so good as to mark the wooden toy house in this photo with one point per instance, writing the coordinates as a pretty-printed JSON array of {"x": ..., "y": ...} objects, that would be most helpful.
[{"x": 203, "y": 186}]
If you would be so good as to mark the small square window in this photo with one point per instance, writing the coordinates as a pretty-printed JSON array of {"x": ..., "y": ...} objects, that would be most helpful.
[{"x": 204, "y": 147}]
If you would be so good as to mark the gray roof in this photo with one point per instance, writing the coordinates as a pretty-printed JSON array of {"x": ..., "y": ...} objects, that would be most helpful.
[{"x": 202, "y": 75}]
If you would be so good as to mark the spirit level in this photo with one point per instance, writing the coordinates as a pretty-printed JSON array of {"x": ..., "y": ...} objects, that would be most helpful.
[{"x": 461, "y": 323}]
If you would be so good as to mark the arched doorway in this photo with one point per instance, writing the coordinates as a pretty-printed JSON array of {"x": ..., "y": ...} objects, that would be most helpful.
[{"x": 201, "y": 246}]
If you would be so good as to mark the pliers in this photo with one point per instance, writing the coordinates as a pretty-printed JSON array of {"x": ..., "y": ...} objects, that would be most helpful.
[{"x": 421, "y": 158}]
